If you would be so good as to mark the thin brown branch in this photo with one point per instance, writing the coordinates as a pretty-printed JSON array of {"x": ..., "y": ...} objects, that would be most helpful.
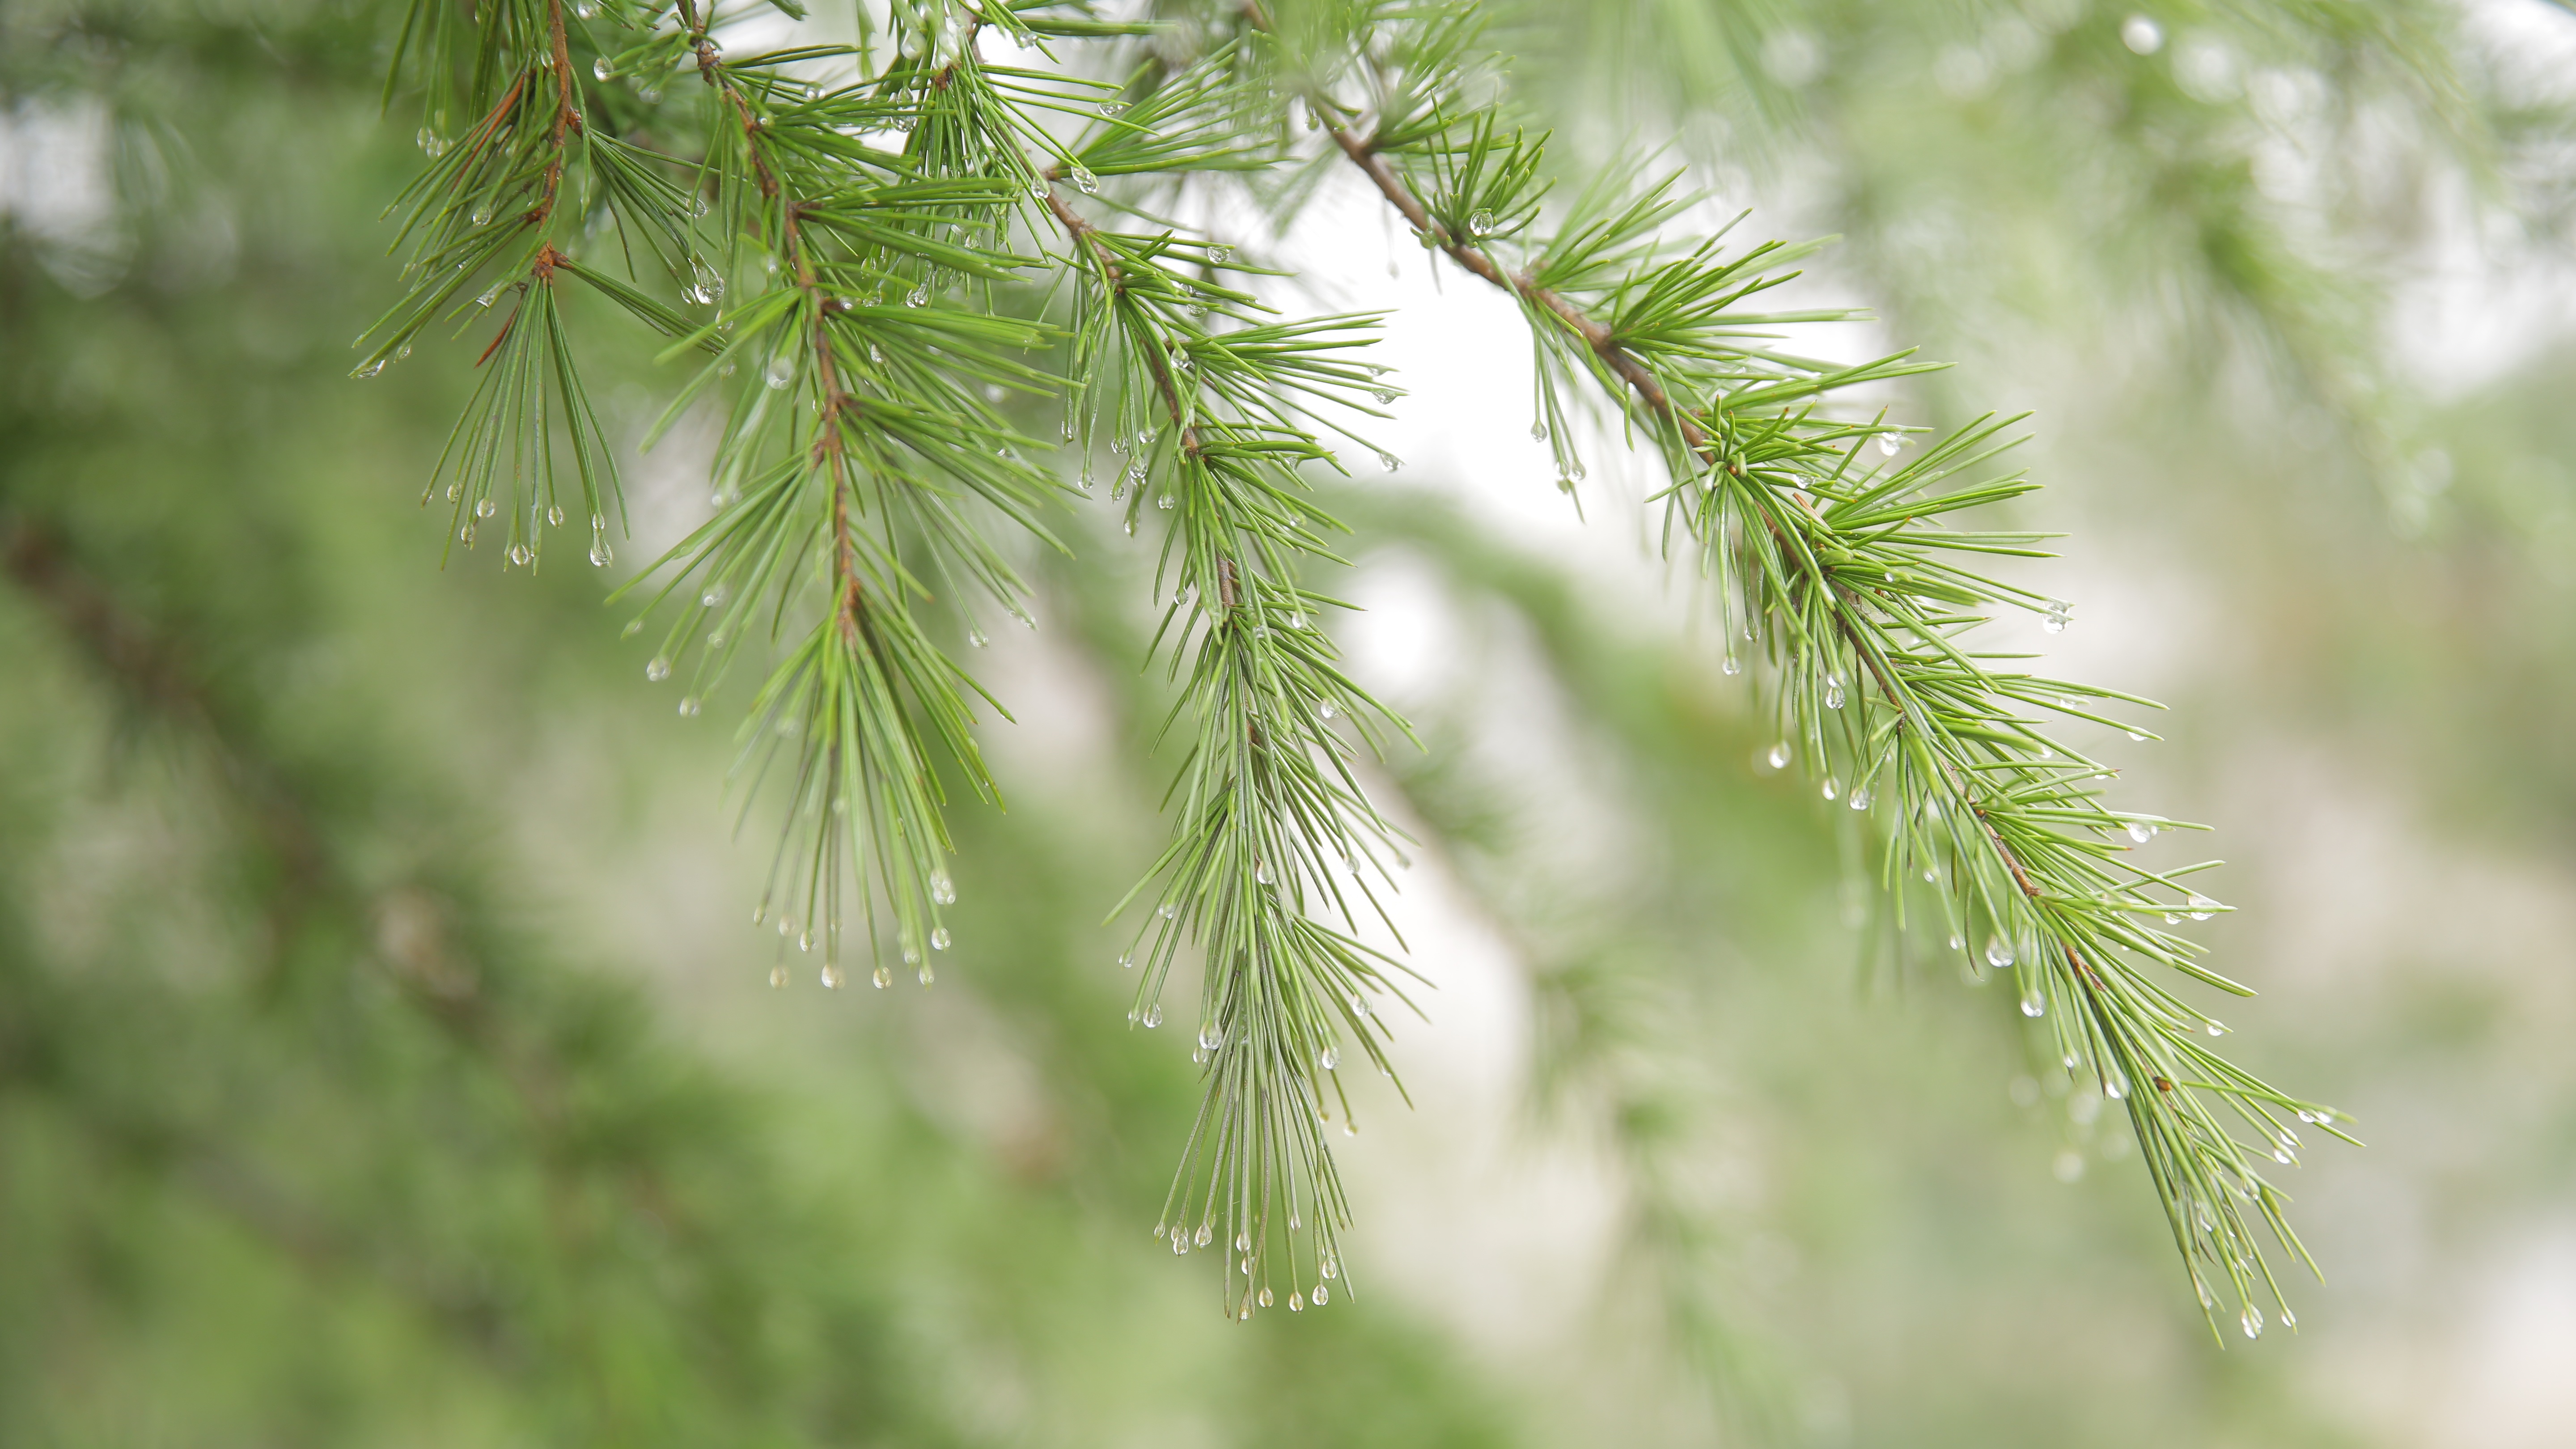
[
  {"x": 1087, "y": 236},
  {"x": 1604, "y": 344}
]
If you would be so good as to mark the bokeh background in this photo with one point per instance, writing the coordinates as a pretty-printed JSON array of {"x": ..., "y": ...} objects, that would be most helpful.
[{"x": 385, "y": 1057}]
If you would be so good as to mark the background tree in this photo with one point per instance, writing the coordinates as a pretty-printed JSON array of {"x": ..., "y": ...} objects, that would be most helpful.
[{"x": 250, "y": 932}]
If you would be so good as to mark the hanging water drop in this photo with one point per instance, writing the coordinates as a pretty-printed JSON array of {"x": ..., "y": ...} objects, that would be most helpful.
[
  {"x": 939, "y": 939},
  {"x": 658, "y": 670},
  {"x": 1831, "y": 788},
  {"x": 780, "y": 372},
  {"x": 1168, "y": 910},
  {"x": 1538, "y": 432},
  {"x": 1779, "y": 756},
  {"x": 2202, "y": 906},
  {"x": 689, "y": 707},
  {"x": 600, "y": 553},
  {"x": 2253, "y": 1321},
  {"x": 2141, "y": 832},
  {"x": 918, "y": 295},
  {"x": 1324, "y": 1295},
  {"x": 1325, "y": 711},
  {"x": 1203, "y": 1236},
  {"x": 883, "y": 978},
  {"x": 1261, "y": 871},
  {"x": 432, "y": 143},
  {"x": 1331, "y": 1267},
  {"x": 465, "y": 535},
  {"x": 1958, "y": 942},
  {"x": 1859, "y": 798},
  {"x": 1083, "y": 178},
  {"x": 1154, "y": 1016},
  {"x": 554, "y": 515},
  {"x": 831, "y": 977},
  {"x": 1383, "y": 396},
  {"x": 1113, "y": 108},
  {"x": 519, "y": 554},
  {"x": 1389, "y": 461},
  {"x": 1331, "y": 1058},
  {"x": 1888, "y": 443},
  {"x": 1999, "y": 952},
  {"x": 1265, "y": 1297},
  {"x": 1833, "y": 692},
  {"x": 942, "y": 889},
  {"x": 1296, "y": 1304},
  {"x": 2032, "y": 1003},
  {"x": 777, "y": 978},
  {"x": 1481, "y": 223},
  {"x": 602, "y": 69}
]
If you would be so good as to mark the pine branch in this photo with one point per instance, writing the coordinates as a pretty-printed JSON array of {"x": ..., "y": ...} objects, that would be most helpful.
[{"x": 1818, "y": 558}]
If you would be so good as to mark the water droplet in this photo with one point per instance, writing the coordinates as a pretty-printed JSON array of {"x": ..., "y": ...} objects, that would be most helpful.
[
  {"x": 1168, "y": 911},
  {"x": 1332, "y": 1058},
  {"x": 1325, "y": 711},
  {"x": 1131, "y": 528},
  {"x": 2033, "y": 1004},
  {"x": 2141, "y": 35},
  {"x": 2138, "y": 736},
  {"x": 650, "y": 95},
  {"x": 1220, "y": 254},
  {"x": 918, "y": 295},
  {"x": 2253, "y": 1321},
  {"x": 1888, "y": 443},
  {"x": 926, "y": 974},
  {"x": 1730, "y": 666},
  {"x": 1389, "y": 461},
  {"x": 1265, "y": 1297},
  {"x": 600, "y": 553},
  {"x": 939, "y": 939},
  {"x": 778, "y": 977},
  {"x": 1324, "y": 1295},
  {"x": 2141, "y": 832},
  {"x": 1831, "y": 788},
  {"x": 1296, "y": 1304},
  {"x": 689, "y": 706},
  {"x": 1154, "y": 1016},
  {"x": 805, "y": 940},
  {"x": 780, "y": 372},
  {"x": 1243, "y": 1242},
  {"x": 1833, "y": 693},
  {"x": 1331, "y": 1267},
  {"x": 1082, "y": 178},
  {"x": 2202, "y": 904},
  {"x": 658, "y": 670},
  {"x": 1779, "y": 756},
  {"x": 942, "y": 889},
  {"x": 2054, "y": 623},
  {"x": 465, "y": 535},
  {"x": 2116, "y": 1088},
  {"x": 1203, "y": 1236},
  {"x": 883, "y": 978},
  {"x": 1481, "y": 223},
  {"x": 1999, "y": 952},
  {"x": 519, "y": 554},
  {"x": 1166, "y": 502},
  {"x": 602, "y": 68},
  {"x": 368, "y": 370},
  {"x": 1538, "y": 432},
  {"x": 432, "y": 142},
  {"x": 554, "y": 515},
  {"x": 1958, "y": 942}
]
